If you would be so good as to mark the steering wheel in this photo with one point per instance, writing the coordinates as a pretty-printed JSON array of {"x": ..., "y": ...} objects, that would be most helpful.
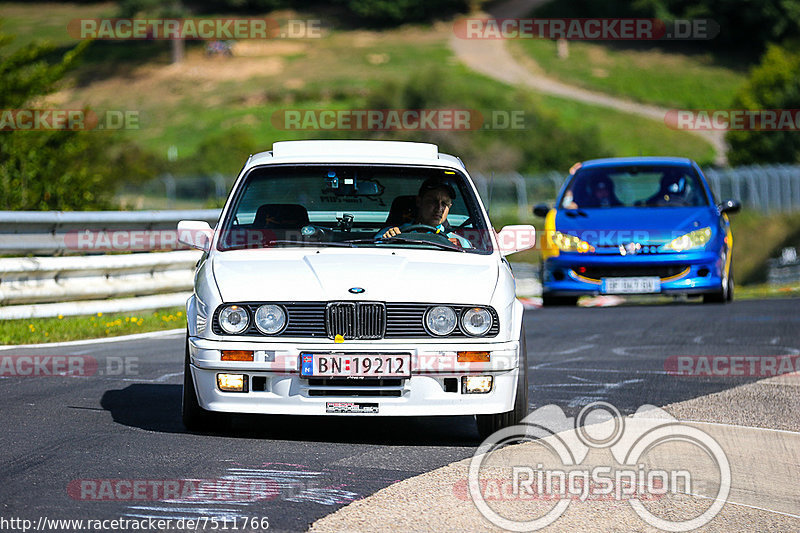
[{"x": 421, "y": 228}]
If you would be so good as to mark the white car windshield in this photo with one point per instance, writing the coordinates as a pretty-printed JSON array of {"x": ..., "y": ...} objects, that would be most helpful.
[{"x": 354, "y": 206}]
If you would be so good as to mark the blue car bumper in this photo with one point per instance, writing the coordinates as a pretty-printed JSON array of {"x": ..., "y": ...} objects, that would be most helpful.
[{"x": 574, "y": 274}]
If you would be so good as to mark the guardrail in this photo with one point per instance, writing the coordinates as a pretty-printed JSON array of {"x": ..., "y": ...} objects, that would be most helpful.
[
  {"x": 93, "y": 282},
  {"x": 58, "y": 232}
]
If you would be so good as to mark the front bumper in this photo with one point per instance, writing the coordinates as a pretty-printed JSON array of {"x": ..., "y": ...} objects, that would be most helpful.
[
  {"x": 573, "y": 274},
  {"x": 275, "y": 385}
]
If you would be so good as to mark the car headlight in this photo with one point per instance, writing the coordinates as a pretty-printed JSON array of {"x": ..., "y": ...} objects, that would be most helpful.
[
  {"x": 476, "y": 321},
  {"x": 441, "y": 320},
  {"x": 689, "y": 241},
  {"x": 571, "y": 243},
  {"x": 270, "y": 319},
  {"x": 234, "y": 319}
]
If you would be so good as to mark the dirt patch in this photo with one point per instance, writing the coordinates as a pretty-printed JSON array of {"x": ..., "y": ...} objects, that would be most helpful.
[
  {"x": 267, "y": 48},
  {"x": 168, "y": 81}
]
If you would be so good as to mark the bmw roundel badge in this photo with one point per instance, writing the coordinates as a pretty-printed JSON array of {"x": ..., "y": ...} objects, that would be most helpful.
[{"x": 356, "y": 290}]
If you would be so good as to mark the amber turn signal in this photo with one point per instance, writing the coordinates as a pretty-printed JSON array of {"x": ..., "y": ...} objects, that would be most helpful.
[
  {"x": 473, "y": 357},
  {"x": 237, "y": 355}
]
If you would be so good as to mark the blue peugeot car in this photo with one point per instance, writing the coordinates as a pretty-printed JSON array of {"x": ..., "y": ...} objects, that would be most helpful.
[{"x": 636, "y": 225}]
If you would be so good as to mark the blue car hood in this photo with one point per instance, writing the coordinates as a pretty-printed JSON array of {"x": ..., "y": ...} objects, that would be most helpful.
[{"x": 617, "y": 225}]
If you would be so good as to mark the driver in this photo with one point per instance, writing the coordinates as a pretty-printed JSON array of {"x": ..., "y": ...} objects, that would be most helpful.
[
  {"x": 672, "y": 190},
  {"x": 434, "y": 200}
]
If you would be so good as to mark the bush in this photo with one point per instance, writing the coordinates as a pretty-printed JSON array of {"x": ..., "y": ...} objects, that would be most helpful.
[
  {"x": 57, "y": 169},
  {"x": 773, "y": 84},
  {"x": 221, "y": 153}
]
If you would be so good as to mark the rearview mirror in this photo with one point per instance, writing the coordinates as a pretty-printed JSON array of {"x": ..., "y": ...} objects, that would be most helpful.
[
  {"x": 730, "y": 207},
  {"x": 541, "y": 210},
  {"x": 195, "y": 233},
  {"x": 512, "y": 239}
]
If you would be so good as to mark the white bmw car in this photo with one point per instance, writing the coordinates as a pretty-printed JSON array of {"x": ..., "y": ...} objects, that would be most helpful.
[{"x": 354, "y": 278}]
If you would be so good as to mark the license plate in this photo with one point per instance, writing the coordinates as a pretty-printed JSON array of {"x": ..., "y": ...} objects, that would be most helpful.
[
  {"x": 355, "y": 365},
  {"x": 641, "y": 285}
]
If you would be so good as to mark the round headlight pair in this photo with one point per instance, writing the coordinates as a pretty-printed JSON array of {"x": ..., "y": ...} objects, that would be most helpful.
[
  {"x": 270, "y": 319},
  {"x": 442, "y": 320}
]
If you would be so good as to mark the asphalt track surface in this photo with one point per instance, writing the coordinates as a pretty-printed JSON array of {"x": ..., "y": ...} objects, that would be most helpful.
[{"x": 125, "y": 425}]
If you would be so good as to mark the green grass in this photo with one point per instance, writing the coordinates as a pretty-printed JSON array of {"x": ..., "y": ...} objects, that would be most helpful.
[
  {"x": 184, "y": 126},
  {"x": 645, "y": 75},
  {"x": 47, "y": 21},
  {"x": 40, "y": 330},
  {"x": 763, "y": 291},
  {"x": 758, "y": 237},
  {"x": 630, "y": 135}
]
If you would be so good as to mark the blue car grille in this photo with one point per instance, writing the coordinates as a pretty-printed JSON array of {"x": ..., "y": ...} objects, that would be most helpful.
[{"x": 620, "y": 271}]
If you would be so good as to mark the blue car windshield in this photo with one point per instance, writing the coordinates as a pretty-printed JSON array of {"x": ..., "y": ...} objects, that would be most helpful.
[{"x": 634, "y": 186}]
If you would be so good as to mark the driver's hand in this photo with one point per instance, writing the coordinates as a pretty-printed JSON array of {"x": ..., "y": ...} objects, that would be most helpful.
[{"x": 392, "y": 232}]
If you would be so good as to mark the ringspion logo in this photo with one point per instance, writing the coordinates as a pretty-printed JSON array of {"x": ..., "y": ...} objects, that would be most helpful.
[{"x": 634, "y": 460}]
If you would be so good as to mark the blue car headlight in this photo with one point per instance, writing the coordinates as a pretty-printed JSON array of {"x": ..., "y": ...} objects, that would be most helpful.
[
  {"x": 688, "y": 241},
  {"x": 571, "y": 243}
]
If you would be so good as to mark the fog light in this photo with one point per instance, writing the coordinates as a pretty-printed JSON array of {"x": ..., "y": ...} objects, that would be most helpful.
[
  {"x": 476, "y": 384},
  {"x": 473, "y": 357},
  {"x": 232, "y": 382},
  {"x": 703, "y": 272},
  {"x": 237, "y": 355}
]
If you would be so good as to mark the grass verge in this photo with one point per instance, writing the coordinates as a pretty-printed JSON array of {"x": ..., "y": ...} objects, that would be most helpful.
[
  {"x": 71, "y": 328},
  {"x": 647, "y": 75}
]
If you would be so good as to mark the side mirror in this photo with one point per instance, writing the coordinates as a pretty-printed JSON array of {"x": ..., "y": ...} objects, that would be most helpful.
[
  {"x": 541, "y": 210},
  {"x": 512, "y": 239},
  {"x": 195, "y": 233},
  {"x": 730, "y": 207}
]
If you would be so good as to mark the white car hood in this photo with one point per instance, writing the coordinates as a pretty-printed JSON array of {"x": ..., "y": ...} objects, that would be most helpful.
[{"x": 387, "y": 275}]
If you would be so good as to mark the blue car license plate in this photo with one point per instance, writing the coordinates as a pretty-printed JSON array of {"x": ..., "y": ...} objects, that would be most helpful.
[{"x": 637, "y": 285}]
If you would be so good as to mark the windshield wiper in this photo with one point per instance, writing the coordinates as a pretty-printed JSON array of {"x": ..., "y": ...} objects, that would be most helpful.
[
  {"x": 311, "y": 243},
  {"x": 406, "y": 240}
]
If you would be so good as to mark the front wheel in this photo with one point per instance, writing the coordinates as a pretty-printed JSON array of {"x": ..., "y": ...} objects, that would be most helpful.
[
  {"x": 488, "y": 424},
  {"x": 195, "y": 418},
  {"x": 725, "y": 294}
]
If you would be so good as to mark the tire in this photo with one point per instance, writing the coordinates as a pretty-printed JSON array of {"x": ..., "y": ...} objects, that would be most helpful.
[
  {"x": 723, "y": 295},
  {"x": 488, "y": 424},
  {"x": 557, "y": 301},
  {"x": 195, "y": 418}
]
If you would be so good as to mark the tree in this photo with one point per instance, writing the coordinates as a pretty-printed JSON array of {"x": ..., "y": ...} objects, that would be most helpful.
[
  {"x": 773, "y": 84},
  {"x": 56, "y": 168}
]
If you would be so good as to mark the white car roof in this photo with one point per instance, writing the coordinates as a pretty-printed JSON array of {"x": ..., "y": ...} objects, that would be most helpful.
[{"x": 348, "y": 151}]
